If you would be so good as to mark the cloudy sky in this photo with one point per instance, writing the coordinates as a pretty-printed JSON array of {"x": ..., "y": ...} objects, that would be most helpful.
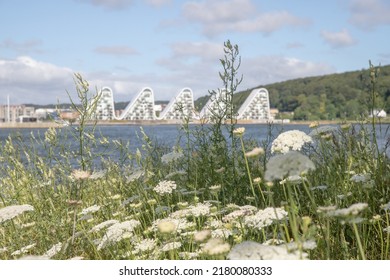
[{"x": 171, "y": 44}]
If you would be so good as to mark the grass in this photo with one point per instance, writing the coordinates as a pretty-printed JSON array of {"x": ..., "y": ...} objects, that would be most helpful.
[{"x": 199, "y": 200}]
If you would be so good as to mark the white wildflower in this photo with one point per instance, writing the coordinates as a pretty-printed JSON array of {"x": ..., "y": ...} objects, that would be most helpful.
[
  {"x": 221, "y": 233},
  {"x": 188, "y": 255},
  {"x": 265, "y": 217},
  {"x": 360, "y": 178},
  {"x": 201, "y": 209},
  {"x": 289, "y": 164},
  {"x": 10, "y": 212},
  {"x": 294, "y": 180},
  {"x": 171, "y": 246},
  {"x": 352, "y": 210},
  {"x": 387, "y": 229},
  {"x": 98, "y": 174},
  {"x": 255, "y": 152},
  {"x": 165, "y": 187},
  {"x": 136, "y": 175},
  {"x": 80, "y": 174},
  {"x": 117, "y": 232},
  {"x": 215, "y": 246},
  {"x": 171, "y": 157},
  {"x": 306, "y": 245},
  {"x": 201, "y": 236},
  {"x": 103, "y": 225},
  {"x": 23, "y": 250},
  {"x": 89, "y": 210},
  {"x": 290, "y": 140},
  {"x": 166, "y": 226},
  {"x": 249, "y": 250},
  {"x": 145, "y": 245},
  {"x": 239, "y": 131},
  {"x": 53, "y": 250},
  {"x": 386, "y": 206}
]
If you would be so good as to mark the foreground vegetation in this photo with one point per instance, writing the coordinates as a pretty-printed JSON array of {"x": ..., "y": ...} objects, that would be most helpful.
[{"x": 216, "y": 195}]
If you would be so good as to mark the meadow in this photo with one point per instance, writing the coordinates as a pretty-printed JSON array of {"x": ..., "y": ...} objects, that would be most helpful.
[{"x": 321, "y": 195}]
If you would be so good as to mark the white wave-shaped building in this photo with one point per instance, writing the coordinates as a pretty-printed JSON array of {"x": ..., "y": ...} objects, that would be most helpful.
[{"x": 142, "y": 107}]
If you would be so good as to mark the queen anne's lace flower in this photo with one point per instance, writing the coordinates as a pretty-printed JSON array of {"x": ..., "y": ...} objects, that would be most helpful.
[
  {"x": 265, "y": 217},
  {"x": 290, "y": 140},
  {"x": 89, "y": 210},
  {"x": 215, "y": 246},
  {"x": 165, "y": 187},
  {"x": 289, "y": 164},
  {"x": 10, "y": 212},
  {"x": 249, "y": 250},
  {"x": 171, "y": 246},
  {"x": 117, "y": 232},
  {"x": 172, "y": 156}
]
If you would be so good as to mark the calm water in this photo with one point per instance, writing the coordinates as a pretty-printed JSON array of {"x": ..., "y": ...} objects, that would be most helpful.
[{"x": 166, "y": 134}]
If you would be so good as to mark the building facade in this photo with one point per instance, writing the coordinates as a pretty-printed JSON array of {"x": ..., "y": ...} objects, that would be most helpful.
[
  {"x": 256, "y": 106},
  {"x": 13, "y": 113}
]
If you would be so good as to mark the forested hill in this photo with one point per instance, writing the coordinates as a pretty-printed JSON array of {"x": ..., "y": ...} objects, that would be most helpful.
[{"x": 344, "y": 95}]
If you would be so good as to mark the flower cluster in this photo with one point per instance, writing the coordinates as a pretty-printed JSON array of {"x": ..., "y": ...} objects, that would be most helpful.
[
  {"x": 289, "y": 164},
  {"x": 10, "y": 212},
  {"x": 117, "y": 232},
  {"x": 165, "y": 187},
  {"x": 265, "y": 217},
  {"x": 172, "y": 156},
  {"x": 292, "y": 140},
  {"x": 250, "y": 250}
]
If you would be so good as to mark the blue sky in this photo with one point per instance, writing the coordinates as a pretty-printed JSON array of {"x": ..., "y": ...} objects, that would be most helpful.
[{"x": 171, "y": 44}]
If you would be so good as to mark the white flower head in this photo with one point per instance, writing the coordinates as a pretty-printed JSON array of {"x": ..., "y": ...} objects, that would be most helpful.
[
  {"x": 255, "y": 152},
  {"x": 266, "y": 217},
  {"x": 215, "y": 246},
  {"x": 250, "y": 250},
  {"x": 165, "y": 187},
  {"x": 10, "y": 212},
  {"x": 171, "y": 246},
  {"x": 292, "y": 140},
  {"x": 117, "y": 232},
  {"x": 53, "y": 250},
  {"x": 90, "y": 210},
  {"x": 239, "y": 131},
  {"x": 289, "y": 164},
  {"x": 171, "y": 157}
]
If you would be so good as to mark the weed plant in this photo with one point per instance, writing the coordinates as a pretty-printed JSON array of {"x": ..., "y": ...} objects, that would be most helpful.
[{"x": 294, "y": 196}]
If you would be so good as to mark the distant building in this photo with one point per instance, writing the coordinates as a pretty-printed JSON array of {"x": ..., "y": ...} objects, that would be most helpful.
[
  {"x": 180, "y": 107},
  {"x": 378, "y": 113},
  {"x": 256, "y": 106},
  {"x": 142, "y": 107},
  {"x": 12, "y": 113}
]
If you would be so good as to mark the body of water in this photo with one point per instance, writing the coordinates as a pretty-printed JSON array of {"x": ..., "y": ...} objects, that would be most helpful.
[{"x": 166, "y": 135}]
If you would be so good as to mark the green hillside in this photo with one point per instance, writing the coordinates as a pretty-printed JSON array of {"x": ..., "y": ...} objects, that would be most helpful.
[{"x": 345, "y": 95}]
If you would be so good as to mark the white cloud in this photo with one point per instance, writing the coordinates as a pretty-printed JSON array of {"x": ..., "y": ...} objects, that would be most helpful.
[
  {"x": 110, "y": 4},
  {"x": 196, "y": 65},
  {"x": 338, "y": 39},
  {"x": 237, "y": 16},
  {"x": 158, "y": 3},
  {"x": 264, "y": 70},
  {"x": 368, "y": 14},
  {"x": 27, "y": 80},
  {"x": 116, "y": 50}
]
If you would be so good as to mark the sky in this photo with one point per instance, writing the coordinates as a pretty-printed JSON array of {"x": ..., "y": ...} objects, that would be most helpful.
[{"x": 168, "y": 45}]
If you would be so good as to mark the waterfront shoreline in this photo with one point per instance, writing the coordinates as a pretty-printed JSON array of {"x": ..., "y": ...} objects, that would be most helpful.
[{"x": 170, "y": 122}]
